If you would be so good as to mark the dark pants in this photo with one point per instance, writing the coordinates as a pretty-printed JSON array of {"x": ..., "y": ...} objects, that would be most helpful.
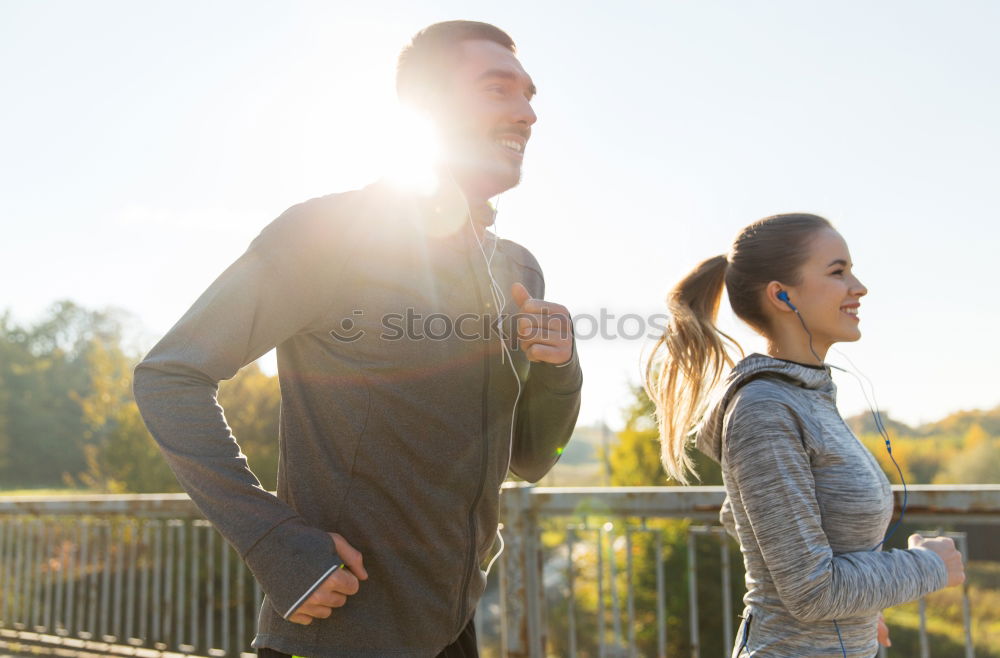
[{"x": 464, "y": 647}]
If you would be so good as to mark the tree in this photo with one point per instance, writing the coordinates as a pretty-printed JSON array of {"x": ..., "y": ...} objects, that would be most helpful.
[
  {"x": 251, "y": 401},
  {"x": 120, "y": 454},
  {"x": 958, "y": 423},
  {"x": 635, "y": 458},
  {"x": 125, "y": 457},
  {"x": 43, "y": 375},
  {"x": 127, "y": 460},
  {"x": 67, "y": 414},
  {"x": 6, "y": 357},
  {"x": 977, "y": 463}
]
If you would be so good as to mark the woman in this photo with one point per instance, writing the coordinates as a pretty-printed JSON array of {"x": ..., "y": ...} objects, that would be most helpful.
[{"x": 807, "y": 502}]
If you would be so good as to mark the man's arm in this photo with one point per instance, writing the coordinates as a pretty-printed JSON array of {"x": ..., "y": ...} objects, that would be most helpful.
[
  {"x": 263, "y": 298},
  {"x": 550, "y": 401}
]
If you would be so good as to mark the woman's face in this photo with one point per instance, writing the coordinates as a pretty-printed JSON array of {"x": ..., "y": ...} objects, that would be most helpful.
[{"x": 828, "y": 296}]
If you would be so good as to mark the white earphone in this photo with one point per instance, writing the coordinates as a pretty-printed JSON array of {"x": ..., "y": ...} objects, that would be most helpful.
[{"x": 499, "y": 302}]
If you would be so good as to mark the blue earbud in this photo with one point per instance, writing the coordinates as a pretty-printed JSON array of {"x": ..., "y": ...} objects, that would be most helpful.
[{"x": 783, "y": 296}]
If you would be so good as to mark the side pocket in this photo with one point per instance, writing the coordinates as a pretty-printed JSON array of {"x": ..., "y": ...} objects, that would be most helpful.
[{"x": 744, "y": 637}]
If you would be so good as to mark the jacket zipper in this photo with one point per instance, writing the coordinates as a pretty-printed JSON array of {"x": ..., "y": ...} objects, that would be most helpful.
[{"x": 471, "y": 557}]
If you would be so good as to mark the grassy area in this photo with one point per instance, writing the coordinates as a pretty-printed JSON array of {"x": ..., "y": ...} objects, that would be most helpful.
[
  {"x": 44, "y": 492},
  {"x": 575, "y": 475},
  {"x": 944, "y": 618}
]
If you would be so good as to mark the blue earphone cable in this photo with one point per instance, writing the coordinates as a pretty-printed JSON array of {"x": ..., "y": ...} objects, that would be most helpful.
[{"x": 879, "y": 425}]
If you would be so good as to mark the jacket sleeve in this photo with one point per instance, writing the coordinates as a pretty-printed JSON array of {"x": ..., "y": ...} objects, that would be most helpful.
[
  {"x": 770, "y": 467},
  {"x": 263, "y": 298},
  {"x": 547, "y": 411}
]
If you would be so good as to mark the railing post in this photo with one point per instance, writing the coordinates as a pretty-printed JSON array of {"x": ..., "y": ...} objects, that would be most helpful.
[
  {"x": 616, "y": 608},
  {"x": 727, "y": 590},
  {"x": 961, "y": 543},
  {"x": 522, "y": 594},
  {"x": 630, "y": 594},
  {"x": 961, "y": 540},
  {"x": 601, "y": 616},
  {"x": 692, "y": 567},
  {"x": 571, "y": 590},
  {"x": 661, "y": 606}
]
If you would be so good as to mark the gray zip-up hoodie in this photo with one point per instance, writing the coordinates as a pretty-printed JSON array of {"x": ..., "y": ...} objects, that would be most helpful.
[
  {"x": 808, "y": 503},
  {"x": 396, "y": 413}
]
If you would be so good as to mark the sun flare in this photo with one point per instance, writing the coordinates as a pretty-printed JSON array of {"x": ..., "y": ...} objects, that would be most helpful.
[{"x": 415, "y": 153}]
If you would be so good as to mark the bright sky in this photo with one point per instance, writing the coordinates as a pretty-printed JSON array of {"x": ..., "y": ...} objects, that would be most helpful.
[{"x": 143, "y": 145}]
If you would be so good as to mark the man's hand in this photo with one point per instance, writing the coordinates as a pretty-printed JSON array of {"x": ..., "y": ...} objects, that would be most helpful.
[
  {"x": 544, "y": 329},
  {"x": 883, "y": 632},
  {"x": 333, "y": 592}
]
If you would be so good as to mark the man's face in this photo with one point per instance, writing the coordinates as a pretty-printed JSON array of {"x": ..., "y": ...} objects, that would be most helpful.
[{"x": 486, "y": 118}]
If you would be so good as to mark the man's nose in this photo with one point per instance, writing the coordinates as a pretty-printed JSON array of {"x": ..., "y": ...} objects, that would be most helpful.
[{"x": 524, "y": 113}]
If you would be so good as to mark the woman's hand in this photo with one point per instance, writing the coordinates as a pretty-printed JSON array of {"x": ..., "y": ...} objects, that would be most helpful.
[
  {"x": 945, "y": 548},
  {"x": 883, "y": 632}
]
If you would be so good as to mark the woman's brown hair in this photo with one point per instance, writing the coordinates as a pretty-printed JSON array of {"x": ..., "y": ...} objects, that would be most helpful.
[{"x": 692, "y": 356}]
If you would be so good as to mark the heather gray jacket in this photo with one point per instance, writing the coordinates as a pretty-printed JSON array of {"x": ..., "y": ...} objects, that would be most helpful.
[
  {"x": 394, "y": 431},
  {"x": 808, "y": 503}
]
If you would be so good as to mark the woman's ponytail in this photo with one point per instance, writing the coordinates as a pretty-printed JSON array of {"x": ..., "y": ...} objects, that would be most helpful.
[{"x": 688, "y": 361}]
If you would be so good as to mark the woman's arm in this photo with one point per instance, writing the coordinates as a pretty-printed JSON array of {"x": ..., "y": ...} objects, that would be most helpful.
[{"x": 767, "y": 463}]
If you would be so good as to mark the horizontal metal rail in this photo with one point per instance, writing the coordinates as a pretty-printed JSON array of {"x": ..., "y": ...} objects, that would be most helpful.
[{"x": 975, "y": 503}]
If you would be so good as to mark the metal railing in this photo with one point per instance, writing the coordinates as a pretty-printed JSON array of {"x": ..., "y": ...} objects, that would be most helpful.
[
  {"x": 586, "y": 572},
  {"x": 119, "y": 574},
  {"x": 614, "y": 518}
]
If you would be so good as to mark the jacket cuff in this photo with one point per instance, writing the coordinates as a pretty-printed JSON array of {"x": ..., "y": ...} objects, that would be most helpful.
[
  {"x": 932, "y": 564},
  {"x": 290, "y": 559},
  {"x": 308, "y": 592},
  {"x": 563, "y": 379}
]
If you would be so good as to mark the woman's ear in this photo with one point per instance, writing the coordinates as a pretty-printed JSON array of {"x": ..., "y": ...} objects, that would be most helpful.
[{"x": 778, "y": 298}]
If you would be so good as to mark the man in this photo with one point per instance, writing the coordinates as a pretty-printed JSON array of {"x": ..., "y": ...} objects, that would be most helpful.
[{"x": 404, "y": 402}]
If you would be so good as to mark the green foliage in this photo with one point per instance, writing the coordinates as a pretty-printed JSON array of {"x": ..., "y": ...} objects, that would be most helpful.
[
  {"x": 972, "y": 457},
  {"x": 635, "y": 457},
  {"x": 944, "y": 623},
  {"x": 120, "y": 455},
  {"x": 251, "y": 401},
  {"x": 44, "y": 375},
  {"x": 864, "y": 423},
  {"x": 961, "y": 422},
  {"x": 67, "y": 416},
  {"x": 127, "y": 459},
  {"x": 976, "y": 464}
]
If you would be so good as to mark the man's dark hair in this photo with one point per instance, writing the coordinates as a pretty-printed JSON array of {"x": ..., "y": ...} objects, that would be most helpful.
[{"x": 423, "y": 65}]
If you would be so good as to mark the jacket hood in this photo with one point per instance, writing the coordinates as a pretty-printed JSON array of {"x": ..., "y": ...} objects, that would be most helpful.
[{"x": 708, "y": 437}]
